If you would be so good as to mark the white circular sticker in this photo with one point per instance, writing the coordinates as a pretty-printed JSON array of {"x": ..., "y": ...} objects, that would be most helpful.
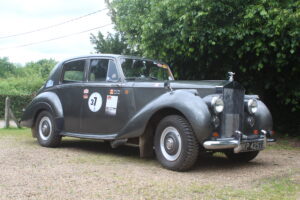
[{"x": 95, "y": 102}]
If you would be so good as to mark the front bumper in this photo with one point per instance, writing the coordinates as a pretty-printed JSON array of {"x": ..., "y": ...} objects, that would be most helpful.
[{"x": 237, "y": 142}]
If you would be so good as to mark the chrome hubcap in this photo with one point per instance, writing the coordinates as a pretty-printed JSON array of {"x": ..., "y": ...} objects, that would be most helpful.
[
  {"x": 170, "y": 143},
  {"x": 45, "y": 128}
]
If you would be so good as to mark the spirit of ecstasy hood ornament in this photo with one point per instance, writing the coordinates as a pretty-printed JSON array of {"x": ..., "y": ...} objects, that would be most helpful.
[{"x": 231, "y": 74}]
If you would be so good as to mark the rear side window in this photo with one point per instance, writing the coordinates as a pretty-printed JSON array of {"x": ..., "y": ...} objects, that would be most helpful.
[
  {"x": 74, "y": 71},
  {"x": 103, "y": 70}
]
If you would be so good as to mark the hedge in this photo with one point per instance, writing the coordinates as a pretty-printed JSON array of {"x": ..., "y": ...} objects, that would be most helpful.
[{"x": 18, "y": 102}]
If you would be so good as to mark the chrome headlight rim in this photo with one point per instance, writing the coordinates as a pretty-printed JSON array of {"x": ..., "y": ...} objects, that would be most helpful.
[
  {"x": 252, "y": 106},
  {"x": 217, "y": 104}
]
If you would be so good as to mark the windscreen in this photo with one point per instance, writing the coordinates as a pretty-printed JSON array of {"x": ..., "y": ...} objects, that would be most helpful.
[{"x": 139, "y": 69}]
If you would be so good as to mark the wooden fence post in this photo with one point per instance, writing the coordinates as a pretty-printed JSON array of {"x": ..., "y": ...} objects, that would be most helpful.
[
  {"x": 12, "y": 116},
  {"x": 6, "y": 115},
  {"x": 9, "y": 114}
]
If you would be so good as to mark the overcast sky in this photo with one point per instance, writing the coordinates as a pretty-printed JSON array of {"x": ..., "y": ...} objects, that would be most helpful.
[{"x": 19, "y": 16}]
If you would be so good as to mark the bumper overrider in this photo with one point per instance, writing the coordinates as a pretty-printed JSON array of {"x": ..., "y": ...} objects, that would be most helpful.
[{"x": 240, "y": 142}]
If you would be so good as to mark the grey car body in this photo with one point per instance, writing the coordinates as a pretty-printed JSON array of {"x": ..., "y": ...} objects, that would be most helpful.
[{"x": 130, "y": 110}]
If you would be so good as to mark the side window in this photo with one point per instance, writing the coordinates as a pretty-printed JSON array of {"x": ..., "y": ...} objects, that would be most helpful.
[
  {"x": 103, "y": 70},
  {"x": 74, "y": 71},
  {"x": 112, "y": 74}
]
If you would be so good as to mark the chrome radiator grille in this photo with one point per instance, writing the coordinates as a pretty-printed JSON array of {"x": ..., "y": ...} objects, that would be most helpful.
[{"x": 233, "y": 114}]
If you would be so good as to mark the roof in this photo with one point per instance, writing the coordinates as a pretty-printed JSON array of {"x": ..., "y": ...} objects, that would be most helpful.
[{"x": 114, "y": 56}]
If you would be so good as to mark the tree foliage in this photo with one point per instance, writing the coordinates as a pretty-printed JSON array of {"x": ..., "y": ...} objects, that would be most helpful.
[
  {"x": 204, "y": 39},
  {"x": 6, "y": 67},
  {"x": 113, "y": 43}
]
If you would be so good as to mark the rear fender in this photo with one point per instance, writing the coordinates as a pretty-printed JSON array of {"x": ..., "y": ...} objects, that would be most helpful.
[
  {"x": 44, "y": 101},
  {"x": 186, "y": 102}
]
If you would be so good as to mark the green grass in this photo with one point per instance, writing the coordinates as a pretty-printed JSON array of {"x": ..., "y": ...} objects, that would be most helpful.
[
  {"x": 16, "y": 132},
  {"x": 286, "y": 143},
  {"x": 282, "y": 188}
]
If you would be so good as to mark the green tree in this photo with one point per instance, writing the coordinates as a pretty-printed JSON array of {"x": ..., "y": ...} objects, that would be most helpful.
[
  {"x": 113, "y": 43},
  {"x": 41, "y": 67},
  {"x": 6, "y": 67},
  {"x": 203, "y": 39}
]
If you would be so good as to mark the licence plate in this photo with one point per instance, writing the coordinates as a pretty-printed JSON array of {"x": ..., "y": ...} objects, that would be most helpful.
[{"x": 252, "y": 146}]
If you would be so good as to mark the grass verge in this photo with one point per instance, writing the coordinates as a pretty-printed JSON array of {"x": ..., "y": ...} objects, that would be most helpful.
[{"x": 284, "y": 187}]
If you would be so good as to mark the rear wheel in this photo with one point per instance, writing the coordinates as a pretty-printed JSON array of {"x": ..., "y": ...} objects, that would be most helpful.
[
  {"x": 241, "y": 157},
  {"x": 45, "y": 130},
  {"x": 176, "y": 146}
]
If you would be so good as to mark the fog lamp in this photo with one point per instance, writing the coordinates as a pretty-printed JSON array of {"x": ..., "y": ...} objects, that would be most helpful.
[
  {"x": 215, "y": 121},
  {"x": 251, "y": 121}
]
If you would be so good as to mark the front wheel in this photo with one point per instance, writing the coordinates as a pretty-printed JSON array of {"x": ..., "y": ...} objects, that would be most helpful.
[
  {"x": 45, "y": 130},
  {"x": 176, "y": 146},
  {"x": 241, "y": 157}
]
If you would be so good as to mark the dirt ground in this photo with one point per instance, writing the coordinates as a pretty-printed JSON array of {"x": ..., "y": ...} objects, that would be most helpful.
[{"x": 84, "y": 169}]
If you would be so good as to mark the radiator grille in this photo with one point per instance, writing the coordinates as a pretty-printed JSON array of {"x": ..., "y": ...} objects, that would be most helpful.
[{"x": 233, "y": 114}]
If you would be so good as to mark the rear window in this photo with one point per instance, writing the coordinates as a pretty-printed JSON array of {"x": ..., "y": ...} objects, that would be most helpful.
[{"x": 74, "y": 71}]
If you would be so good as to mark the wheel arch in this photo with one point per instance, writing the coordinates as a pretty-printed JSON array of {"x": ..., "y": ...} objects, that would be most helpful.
[
  {"x": 146, "y": 140},
  {"x": 47, "y": 101},
  {"x": 162, "y": 113}
]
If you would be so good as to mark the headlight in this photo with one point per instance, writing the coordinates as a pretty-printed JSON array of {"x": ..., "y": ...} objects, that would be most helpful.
[
  {"x": 217, "y": 104},
  {"x": 252, "y": 106}
]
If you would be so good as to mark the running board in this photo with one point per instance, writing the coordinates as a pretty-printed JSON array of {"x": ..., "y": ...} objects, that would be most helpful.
[
  {"x": 90, "y": 136},
  {"x": 115, "y": 143}
]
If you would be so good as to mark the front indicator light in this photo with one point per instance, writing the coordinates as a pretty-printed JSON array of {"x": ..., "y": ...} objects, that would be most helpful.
[
  {"x": 216, "y": 134},
  {"x": 273, "y": 132}
]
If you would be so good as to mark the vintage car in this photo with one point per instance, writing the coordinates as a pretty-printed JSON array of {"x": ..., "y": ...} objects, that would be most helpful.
[{"x": 125, "y": 99}]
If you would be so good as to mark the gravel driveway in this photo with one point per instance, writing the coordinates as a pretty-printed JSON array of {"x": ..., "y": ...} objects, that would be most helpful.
[{"x": 84, "y": 169}]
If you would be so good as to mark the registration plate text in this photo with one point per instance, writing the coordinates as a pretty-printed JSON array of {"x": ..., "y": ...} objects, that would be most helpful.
[{"x": 252, "y": 146}]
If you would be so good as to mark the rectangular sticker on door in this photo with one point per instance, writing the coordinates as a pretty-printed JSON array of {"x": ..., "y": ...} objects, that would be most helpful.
[{"x": 111, "y": 105}]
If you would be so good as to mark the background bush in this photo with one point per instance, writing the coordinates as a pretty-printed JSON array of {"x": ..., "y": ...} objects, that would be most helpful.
[
  {"x": 21, "y": 83},
  {"x": 204, "y": 39},
  {"x": 18, "y": 102}
]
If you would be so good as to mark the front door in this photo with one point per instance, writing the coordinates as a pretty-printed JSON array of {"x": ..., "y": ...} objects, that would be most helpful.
[{"x": 104, "y": 109}]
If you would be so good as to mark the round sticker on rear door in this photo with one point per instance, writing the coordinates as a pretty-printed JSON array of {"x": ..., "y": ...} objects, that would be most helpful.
[{"x": 95, "y": 102}]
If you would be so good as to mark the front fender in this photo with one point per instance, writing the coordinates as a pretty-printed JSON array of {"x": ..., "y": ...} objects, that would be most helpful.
[
  {"x": 263, "y": 117},
  {"x": 44, "y": 101},
  {"x": 187, "y": 102}
]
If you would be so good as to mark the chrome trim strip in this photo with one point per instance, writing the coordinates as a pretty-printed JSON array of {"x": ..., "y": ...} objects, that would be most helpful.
[
  {"x": 90, "y": 136},
  {"x": 221, "y": 144}
]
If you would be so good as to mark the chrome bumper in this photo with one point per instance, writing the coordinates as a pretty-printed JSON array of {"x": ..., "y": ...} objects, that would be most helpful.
[{"x": 236, "y": 143}]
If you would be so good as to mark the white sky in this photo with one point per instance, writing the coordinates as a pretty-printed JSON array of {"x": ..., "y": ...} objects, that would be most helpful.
[{"x": 18, "y": 16}]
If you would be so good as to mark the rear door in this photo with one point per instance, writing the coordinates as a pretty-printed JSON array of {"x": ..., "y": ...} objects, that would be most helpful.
[
  {"x": 104, "y": 108},
  {"x": 70, "y": 93}
]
